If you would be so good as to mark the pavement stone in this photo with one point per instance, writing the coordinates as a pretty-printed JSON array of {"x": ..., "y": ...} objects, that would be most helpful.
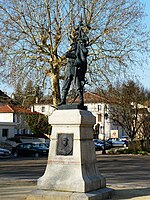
[
  {"x": 132, "y": 193},
  {"x": 19, "y": 190}
]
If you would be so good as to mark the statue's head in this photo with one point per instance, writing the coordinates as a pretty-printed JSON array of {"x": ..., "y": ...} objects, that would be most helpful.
[{"x": 73, "y": 46}]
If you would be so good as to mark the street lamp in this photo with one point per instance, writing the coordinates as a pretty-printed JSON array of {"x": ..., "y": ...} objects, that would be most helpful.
[{"x": 105, "y": 118}]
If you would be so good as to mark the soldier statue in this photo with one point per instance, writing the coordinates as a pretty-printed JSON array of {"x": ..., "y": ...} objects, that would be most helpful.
[{"x": 76, "y": 65}]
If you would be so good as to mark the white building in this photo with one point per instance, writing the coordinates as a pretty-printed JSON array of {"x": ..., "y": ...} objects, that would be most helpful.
[
  {"x": 43, "y": 108},
  {"x": 12, "y": 121},
  {"x": 99, "y": 109}
]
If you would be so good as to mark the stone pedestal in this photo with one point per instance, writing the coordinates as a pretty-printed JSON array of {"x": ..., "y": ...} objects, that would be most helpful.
[{"x": 71, "y": 171}]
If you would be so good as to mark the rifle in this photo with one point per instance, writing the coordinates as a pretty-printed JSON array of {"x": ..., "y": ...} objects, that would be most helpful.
[
  {"x": 78, "y": 94},
  {"x": 82, "y": 38}
]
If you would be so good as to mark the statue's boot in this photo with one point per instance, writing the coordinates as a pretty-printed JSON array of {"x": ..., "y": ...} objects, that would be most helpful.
[
  {"x": 81, "y": 102},
  {"x": 63, "y": 101}
]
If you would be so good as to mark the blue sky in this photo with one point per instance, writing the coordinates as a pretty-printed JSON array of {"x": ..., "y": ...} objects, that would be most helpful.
[{"x": 142, "y": 74}]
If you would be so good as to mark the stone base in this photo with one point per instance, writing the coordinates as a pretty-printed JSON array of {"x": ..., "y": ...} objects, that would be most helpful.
[
  {"x": 71, "y": 172},
  {"x": 75, "y": 171},
  {"x": 72, "y": 106},
  {"x": 104, "y": 193}
]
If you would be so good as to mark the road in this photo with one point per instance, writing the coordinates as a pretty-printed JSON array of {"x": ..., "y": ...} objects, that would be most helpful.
[
  {"x": 118, "y": 169},
  {"x": 127, "y": 174},
  {"x": 22, "y": 168}
]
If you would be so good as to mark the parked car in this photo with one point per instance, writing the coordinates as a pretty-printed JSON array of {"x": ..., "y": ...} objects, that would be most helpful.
[
  {"x": 47, "y": 144},
  {"x": 117, "y": 142},
  {"x": 30, "y": 149},
  {"x": 125, "y": 138},
  {"x": 41, "y": 145},
  {"x": 4, "y": 153},
  {"x": 99, "y": 144}
]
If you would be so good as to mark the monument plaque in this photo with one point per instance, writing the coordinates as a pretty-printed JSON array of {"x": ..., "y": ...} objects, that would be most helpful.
[{"x": 65, "y": 144}]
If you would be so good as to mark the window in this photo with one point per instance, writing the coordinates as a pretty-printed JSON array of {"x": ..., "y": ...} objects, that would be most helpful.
[
  {"x": 21, "y": 146},
  {"x": 43, "y": 108},
  {"x": 99, "y": 117},
  {"x": 14, "y": 117},
  {"x": 23, "y": 131},
  {"x": 18, "y": 118},
  {"x": 28, "y": 146},
  {"x": 99, "y": 107},
  {"x": 4, "y": 132}
]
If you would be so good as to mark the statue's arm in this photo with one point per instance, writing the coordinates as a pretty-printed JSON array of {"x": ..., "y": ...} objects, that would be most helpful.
[
  {"x": 84, "y": 49},
  {"x": 70, "y": 55}
]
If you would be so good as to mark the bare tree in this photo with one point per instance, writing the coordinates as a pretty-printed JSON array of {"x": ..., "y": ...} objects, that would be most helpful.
[
  {"x": 145, "y": 129},
  {"x": 34, "y": 37},
  {"x": 128, "y": 110}
]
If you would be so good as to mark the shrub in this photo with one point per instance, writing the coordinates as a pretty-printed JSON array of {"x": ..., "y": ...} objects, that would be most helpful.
[
  {"x": 128, "y": 151},
  {"x": 141, "y": 152}
]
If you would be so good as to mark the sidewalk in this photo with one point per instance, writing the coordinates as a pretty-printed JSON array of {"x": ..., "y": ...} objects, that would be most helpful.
[
  {"x": 19, "y": 189},
  {"x": 123, "y": 192},
  {"x": 15, "y": 189}
]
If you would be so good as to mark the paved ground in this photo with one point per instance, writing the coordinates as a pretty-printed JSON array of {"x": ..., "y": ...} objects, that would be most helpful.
[{"x": 128, "y": 175}]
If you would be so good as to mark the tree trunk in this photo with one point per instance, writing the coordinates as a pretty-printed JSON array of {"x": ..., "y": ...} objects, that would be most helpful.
[{"x": 55, "y": 89}]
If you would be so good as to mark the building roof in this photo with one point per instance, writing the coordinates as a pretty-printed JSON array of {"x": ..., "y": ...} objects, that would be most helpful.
[
  {"x": 90, "y": 97},
  {"x": 15, "y": 109},
  {"x": 6, "y": 109},
  {"x": 4, "y": 98}
]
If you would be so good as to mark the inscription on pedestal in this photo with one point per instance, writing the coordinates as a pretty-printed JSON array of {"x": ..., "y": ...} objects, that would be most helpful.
[{"x": 64, "y": 144}]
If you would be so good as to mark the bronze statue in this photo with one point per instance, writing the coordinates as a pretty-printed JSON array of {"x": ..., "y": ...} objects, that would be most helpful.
[{"x": 77, "y": 65}]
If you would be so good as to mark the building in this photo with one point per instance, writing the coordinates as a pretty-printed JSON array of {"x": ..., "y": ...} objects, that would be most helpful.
[
  {"x": 99, "y": 108},
  {"x": 12, "y": 121}
]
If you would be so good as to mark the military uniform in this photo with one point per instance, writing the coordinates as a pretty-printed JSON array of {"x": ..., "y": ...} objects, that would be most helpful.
[{"x": 75, "y": 70}]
